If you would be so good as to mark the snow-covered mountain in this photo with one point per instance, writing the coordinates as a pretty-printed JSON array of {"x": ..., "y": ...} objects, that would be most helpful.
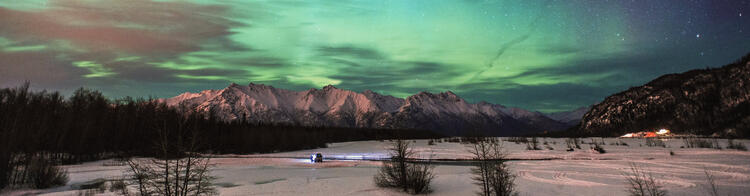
[
  {"x": 572, "y": 117},
  {"x": 445, "y": 112}
]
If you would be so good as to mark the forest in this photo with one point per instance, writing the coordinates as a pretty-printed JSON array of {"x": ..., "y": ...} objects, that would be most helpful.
[{"x": 88, "y": 126}]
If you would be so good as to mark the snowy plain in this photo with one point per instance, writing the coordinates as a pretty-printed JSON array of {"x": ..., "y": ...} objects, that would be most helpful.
[{"x": 349, "y": 169}]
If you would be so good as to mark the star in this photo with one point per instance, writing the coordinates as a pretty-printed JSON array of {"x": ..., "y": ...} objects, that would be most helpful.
[{"x": 698, "y": 35}]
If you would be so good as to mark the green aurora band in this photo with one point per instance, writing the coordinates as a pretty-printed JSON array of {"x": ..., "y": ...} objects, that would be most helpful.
[{"x": 540, "y": 55}]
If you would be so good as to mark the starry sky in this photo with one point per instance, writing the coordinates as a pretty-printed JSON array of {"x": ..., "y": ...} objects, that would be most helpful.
[{"x": 540, "y": 55}]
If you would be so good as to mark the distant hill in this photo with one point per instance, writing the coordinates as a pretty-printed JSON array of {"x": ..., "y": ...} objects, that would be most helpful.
[
  {"x": 704, "y": 101},
  {"x": 572, "y": 117},
  {"x": 445, "y": 113}
]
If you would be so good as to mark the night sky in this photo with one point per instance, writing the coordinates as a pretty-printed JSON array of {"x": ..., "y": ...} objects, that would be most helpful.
[{"x": 540, "y": 55}]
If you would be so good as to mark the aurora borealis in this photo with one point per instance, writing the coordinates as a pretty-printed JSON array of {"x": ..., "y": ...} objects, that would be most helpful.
[{"x": 540, "y": 55}]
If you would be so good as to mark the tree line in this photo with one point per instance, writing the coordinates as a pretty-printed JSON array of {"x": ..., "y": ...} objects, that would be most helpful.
[{"x": 89, "y": 126}]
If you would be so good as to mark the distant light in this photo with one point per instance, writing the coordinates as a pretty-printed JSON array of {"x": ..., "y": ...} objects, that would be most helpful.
[
  {"x": 698, "y": 35},
  {"x": 662, "y": 131},
  {"x": 627, "y": 135}
]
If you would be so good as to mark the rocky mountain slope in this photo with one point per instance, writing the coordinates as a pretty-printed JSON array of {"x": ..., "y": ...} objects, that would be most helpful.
[
  {"x": 705, "y": 101},
  {"x": 444, "y": 112}
]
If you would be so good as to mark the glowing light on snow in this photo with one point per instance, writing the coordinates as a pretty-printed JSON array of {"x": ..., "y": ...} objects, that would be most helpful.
[
  {"x": 302, "y": 161},
  {"x": 355, "y": 157}
]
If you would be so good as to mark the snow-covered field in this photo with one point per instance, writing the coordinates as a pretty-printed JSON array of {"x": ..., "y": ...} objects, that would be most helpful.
[{"x": 582, "y": 172}]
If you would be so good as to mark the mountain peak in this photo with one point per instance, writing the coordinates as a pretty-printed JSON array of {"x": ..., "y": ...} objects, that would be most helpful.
[
  {"x": 450, "y": 95},
  {"x": 445, "y": 96},
  {"x": 259, "y": 86},
  {"x": 329, "y": 87},
  {"x": 422, "y": 95}
]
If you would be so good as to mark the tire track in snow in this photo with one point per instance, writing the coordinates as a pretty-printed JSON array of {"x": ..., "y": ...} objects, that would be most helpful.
[
  {"x": 677, "y": 181},
  {"x": 559, "y": 179},
  {"x": 668, "y": 168}
]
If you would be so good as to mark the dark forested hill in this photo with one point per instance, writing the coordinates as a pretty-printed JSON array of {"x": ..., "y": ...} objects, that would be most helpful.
[{"x": 705, "y": 101}]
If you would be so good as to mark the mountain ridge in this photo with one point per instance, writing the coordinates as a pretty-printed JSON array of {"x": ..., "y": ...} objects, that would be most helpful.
[{"x": 444, "y": 112}]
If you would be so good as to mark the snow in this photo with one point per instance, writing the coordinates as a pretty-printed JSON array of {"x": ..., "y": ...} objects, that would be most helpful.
[
  {"x": 582, "y": 172},
  {"x": 236, "y": 100},
  {"x": 255, "y": 98}
]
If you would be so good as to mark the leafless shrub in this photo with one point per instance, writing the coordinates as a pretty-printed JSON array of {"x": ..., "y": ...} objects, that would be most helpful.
[
  {"x": 42, "y": 173},
  {"x": 118, "y": 186},
  {"x": 419, "y": 176},
  {"x": 642, "y": 183},
  {"x": 453, "y": 140},
  {"x": 569, "y": 144},
  {"x": 517, "y": 140},
  {"x": 34, "y": 170},
  {"x": 716, "y": 144},
  {"x": 572, "y": 143},
  {"x": 618, "y": 143},
  {"x": 398, "y": 172},
  {"x": 651, "y": 142},
  {"x": 598, "y": 148},
  {"x": 731, "y": 144},
  {"x": 694, "y": 142},
  {"x": 533, "y": 144},
  {"x": 490, "y": 171}
]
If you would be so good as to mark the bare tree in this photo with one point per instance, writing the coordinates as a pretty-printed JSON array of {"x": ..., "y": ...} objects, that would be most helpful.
[
  {"x": 490, "y": 172},
  {"x": 139, "y": 175},
  {"x": 533, "y": 144},
  {"x": 570, "y": 144},
  {"x": 399, "y": 172},
  {"x": 179, "y": 171},
  {"x": 642, "y": 183}
]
